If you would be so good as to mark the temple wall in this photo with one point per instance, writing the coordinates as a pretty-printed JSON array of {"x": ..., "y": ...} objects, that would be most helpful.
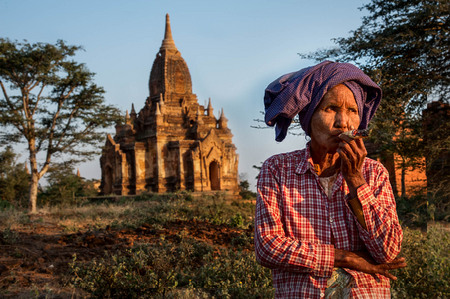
[
  {"x": 141, "y": 168},
  {"x": 151, "y": 166}
]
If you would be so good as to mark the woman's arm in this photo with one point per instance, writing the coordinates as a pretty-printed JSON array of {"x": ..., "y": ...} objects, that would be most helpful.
[
  {"x": 362, "y": 261},
  {"x": 382, "y": 234},
  {"x": 272, "y": 247}
]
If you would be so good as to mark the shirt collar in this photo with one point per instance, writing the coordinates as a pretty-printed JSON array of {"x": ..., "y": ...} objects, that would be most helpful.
[{"x": 306, "y": 164}]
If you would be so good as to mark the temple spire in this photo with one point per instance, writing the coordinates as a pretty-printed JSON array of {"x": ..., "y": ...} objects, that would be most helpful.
[
  {"x": 133, "y": 113},
  {"x": 210, "y": 108},
  {"x": 168, "y": 43}
]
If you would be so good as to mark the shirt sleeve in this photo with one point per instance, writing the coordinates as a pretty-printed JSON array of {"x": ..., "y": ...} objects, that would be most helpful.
[
  {"x": 383, "y": 236},
  {"x": 272, "y": 247}
]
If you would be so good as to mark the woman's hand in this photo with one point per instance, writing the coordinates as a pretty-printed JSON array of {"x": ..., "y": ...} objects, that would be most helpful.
[
  {"x": 363, "y": 262},
  {"x": 352, "y": 153}
]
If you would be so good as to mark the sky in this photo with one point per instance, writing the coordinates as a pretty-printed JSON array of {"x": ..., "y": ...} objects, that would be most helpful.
[{"x": 233, "y": 49}]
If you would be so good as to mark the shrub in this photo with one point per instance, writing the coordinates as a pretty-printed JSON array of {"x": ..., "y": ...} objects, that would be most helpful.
[
  {"x": 244, "y": 192},
  {"x": 64, "y": 186},
  {"x": 155, "y": 269},
  {"x": 234, "y": 275},
  {"x": 412, "y": 211},
  {"x": 428, "y": 258}
]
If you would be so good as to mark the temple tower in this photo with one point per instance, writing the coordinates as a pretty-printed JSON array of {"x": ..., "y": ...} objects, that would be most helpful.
[{"x": 173, "y": 143}]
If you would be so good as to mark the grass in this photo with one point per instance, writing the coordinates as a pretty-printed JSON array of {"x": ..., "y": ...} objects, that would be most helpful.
[{"x": 181, "y": 266}]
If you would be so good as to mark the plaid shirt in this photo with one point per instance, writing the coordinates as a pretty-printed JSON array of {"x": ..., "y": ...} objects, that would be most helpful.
[{"x": 295, "y": 221}]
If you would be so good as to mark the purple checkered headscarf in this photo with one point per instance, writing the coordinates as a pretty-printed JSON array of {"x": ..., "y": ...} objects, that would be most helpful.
[{"x": 301, "y": 92}]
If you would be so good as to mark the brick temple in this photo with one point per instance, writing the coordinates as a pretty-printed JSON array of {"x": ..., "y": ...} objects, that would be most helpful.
[{"x": 173, "y": 143}]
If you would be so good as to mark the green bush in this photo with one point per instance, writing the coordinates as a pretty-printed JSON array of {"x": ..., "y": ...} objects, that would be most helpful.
[
  {"x": 64, "y": 187},
  {"x": 412, "y": 211},
  {"x": 154, "y": 270},
  {"x": 244, "y": 192},
  {"x": 428, "y": 258},
  {"x": 13, "y": 180}
]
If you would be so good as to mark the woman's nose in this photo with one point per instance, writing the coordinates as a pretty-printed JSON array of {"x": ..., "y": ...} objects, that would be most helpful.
[{"x": 341, "y": 120}]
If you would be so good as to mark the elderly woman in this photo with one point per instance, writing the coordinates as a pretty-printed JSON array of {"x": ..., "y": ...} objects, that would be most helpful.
[{"x": 326, "y": 222}]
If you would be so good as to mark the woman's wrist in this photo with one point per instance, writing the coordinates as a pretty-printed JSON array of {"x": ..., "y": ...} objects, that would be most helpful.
[
  {"x": 354, "y": 183},
  {"x": 341, "y": 258}
]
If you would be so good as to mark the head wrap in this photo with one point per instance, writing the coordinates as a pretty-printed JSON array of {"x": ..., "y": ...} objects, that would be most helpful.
[{"x": 300, "y": 93}]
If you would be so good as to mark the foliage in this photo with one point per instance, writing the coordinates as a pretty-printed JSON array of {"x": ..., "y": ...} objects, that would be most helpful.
[
  {"x": 437, "y": 125},
  {"x": 182, "y": 264},
  {"x": 154, "y": 269},
  {"x": 244, "y": 192},
  {"x": 51, "y": 103},
  {"x": 64, "y": 186},
  {"x": 176, "y": 265},
  {"x": 216, "y": 209},
  {"x": 428, "y": 257},
  {"x": 403, "y": 46},
  {"x": 412, "y": 211},
  {"x": 13, "y": 180}
]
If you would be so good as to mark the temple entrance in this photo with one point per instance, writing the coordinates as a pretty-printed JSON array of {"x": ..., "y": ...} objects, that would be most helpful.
[{"x": 214, "y": 175}]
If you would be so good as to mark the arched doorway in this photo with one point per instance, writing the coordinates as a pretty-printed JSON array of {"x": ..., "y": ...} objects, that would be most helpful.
[{"x": 214, "y": 175}]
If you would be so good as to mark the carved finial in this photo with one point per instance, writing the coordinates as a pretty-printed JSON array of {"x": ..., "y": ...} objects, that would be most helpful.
[
  {"x": 210, "y": 109},
  {"x": 223, "y": 121},
  {"x": 168, "y": 43},
  {"x": 158, "y": 111},
  {"x": 127, "y": 118},
  {"x": 26, "y": 169},
  {"x": 78, "y": 172}
]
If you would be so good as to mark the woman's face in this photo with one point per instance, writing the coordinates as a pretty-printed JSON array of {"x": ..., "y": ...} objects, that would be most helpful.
[{"x": 337, "y": 113}]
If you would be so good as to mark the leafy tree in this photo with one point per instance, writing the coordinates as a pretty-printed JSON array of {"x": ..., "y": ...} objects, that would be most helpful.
[
  {"x": 13, "y": 179},
  {"x": 403, "y": 45},
  {"x": 437, "y": 128},
  {"x": 64, "y": 185},
  {"x": 244, "y": 192},
  {"x": 51, "y": 103}
]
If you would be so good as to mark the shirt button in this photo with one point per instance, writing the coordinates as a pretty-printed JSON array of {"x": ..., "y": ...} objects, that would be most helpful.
[
  {"x": 331, "y": 220},
  {"x": 322, "y": 294}
]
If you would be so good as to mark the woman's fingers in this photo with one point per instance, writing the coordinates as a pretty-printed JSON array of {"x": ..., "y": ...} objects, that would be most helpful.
[
  {"x": 347, "y": 155},
  {"x": 389, "y": 275},
  {"x": 353, "y": 153},
  {"x": 345, "y": 138},
  {"x": 397, "y": 263}
]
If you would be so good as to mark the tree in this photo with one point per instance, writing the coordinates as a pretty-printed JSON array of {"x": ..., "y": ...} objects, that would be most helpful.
[
  {"x": 51, "y": 103},
  {"x": 64, "y": 185},
  {"x": 403, "y": 46},
  {"x": 13, "y": 179}
]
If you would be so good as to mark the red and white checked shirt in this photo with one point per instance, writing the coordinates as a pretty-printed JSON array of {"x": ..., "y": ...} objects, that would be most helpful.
[{"x": 295, "y": 220}]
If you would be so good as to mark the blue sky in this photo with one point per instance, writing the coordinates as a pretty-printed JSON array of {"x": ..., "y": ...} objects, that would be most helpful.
[{"x": 233, "y": 49}]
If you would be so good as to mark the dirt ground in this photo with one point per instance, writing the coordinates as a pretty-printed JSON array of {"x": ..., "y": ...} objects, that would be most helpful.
[{"x": 34, "y": 260}]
